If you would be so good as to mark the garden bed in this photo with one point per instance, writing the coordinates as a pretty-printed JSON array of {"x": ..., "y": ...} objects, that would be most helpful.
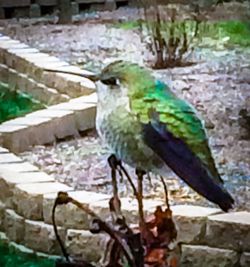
[{"x": 14, "y": 103}]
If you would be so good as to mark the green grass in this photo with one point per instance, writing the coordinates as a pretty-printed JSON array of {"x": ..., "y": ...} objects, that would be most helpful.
[
  {"x": 237, "y": 31},
  {"x": 14, "y": 103},
  {"x": 9, "y": 257},
  {"x": 127, "y": 25}
]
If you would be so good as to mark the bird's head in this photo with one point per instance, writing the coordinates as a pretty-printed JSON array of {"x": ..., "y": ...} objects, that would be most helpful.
[
  {"x": 124, "y": 76},
  {"x": 120, "y": 76}
]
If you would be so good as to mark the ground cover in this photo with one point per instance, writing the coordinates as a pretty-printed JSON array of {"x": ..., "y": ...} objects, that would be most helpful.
[
  {"x": 14, "y": 103},
  {"x": 11, "y": 258}
]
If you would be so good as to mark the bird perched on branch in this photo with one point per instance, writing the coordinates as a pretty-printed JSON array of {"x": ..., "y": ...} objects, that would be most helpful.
[{"x": 148, "y": 127}]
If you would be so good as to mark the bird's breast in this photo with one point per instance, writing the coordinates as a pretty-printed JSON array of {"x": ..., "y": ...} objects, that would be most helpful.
[{"x": 119, "y": 128}]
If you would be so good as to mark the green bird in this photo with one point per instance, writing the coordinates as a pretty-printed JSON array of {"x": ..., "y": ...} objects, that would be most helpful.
[{"x": 148, "y": 127}]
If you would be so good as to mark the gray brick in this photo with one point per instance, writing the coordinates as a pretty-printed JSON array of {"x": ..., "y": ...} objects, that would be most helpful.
[
  {"x": 230, "y": 230},
  {"x": 28, "y": 198},
  {"x": 14, "y": 226},
  {"x": 41, "y": 237},
  {"x": 203, "y": 256}
]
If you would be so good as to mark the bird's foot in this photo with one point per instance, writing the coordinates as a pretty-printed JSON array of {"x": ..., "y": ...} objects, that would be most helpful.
[
  {"x": 115, "y": 203},
  {"x": 140, "y": 173}
]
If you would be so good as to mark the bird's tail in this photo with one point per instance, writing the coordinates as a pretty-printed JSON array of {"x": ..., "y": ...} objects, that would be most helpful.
[
  {"x": 175, "y": 153},
  {"x": 208, "y": 188}
]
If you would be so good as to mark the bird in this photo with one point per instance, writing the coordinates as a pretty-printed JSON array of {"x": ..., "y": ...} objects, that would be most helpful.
[{"x": 147, "y": 126}]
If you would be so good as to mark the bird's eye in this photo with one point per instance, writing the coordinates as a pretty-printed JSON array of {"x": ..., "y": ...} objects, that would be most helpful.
[{"x": 110, "y": 81}]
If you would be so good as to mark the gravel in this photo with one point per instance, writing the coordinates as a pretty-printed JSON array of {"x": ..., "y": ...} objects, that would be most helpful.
[{"x": 218, "y": 86}]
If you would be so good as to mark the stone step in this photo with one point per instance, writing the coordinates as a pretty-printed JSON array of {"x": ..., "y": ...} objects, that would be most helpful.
[
  {"x": 229, "y": 230},
  {"x": 204, "y": 256}
]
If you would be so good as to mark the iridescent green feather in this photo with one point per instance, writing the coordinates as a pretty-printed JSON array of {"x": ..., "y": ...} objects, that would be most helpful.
[{"x": 180, "y": 119}]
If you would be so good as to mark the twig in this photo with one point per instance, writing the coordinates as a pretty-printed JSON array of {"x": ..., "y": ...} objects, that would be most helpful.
[
  {"x": 129, "y": 179},
  {"x": 140, "y": 174},
  {"x": 65, "y": 254},
  {"x": 166, "y": 192},
  {"x": 63, "y": 198}
]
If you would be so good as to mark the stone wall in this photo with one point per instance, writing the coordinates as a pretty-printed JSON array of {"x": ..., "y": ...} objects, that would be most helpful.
[
  {"x": 36, "y": 8},
  {"x": 208, "y": 237},
  {"x": 21, "y": 67}
]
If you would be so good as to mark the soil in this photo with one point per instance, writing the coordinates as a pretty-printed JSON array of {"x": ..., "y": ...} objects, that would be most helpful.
[{"x": 218, "y": 85}]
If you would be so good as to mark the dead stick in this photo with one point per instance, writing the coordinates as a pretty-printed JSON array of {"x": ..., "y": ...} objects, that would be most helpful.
[
  {"x": 140, "y": 174},
  {"x": 63, "y": 198},
  {"x": 166, "y": 192}
]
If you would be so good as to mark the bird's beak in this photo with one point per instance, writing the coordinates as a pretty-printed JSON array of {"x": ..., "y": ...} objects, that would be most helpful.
[{"x": 93, "y": 77}]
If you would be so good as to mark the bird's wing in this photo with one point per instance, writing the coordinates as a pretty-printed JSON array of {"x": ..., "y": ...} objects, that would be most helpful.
[{"x": 173, "y": 130}]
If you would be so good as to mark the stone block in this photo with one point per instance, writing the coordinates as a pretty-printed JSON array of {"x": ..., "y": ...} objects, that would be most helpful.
[
  {"x": 19, "y": 167},
  {"x": 2, "y": 213},
  {"x": 9, "y": 178},
  {"x": 32, "y": 63},
  {"x": 35, "y": 11},
  {"x": 69, "y": 215},
  {"x": 129, "y": 208},
  {"x": 34, "y": 130},
  {"x": 14, "y": 226},
  {"x": 48, "y": 78},
  {"x": 2, "y": 13},
  {"x": 38, "y": 91},
  {"x": 88, "y": 87},
  {"x": 4, "y": 38},
  {"x": 30, "y": 86},
  {"x": 28, "y": 198},
  {"x": 3, "y": 150},
  {"x": 17, "y": 248},
  {"x": 13, "y": 78},
  {"x": 5, "y": 192},
  {"x": 203, "y": 256},
  {"x": 63, "y": 121},
  {"x": 230, "y": 230},
  {"x": 20, "y": 63},
  {"x": 14, "y": 137},
  {"x": 83, "y": 244},
  {"x": 14, "y": 3},
  {"x": 110, "y": 5},
  {"x": 191, "y": 222},
  {"x": 89, "y": 1},
  {"x": 20, "y": 49},
  {"x": 3, "y": 238},
  {"x": 6, "y": 43},
  {"x": 12, "y": 177},
  {"x": 65, "y": 125},
  {"x": 74, "y": 8},
  {"x": 85, "y": 118},
  {"x": 22, "y": 82},
  {"x": 84, "y": 113},
  {"x": 41, "y": 237},
  {"x": 86, "y": 99},
  {"x": 71, "y": 85},
  {"x": 65, "y": 12},
  {"x": 46, "y": 95},
  {"x": 245, "y": 259},
  {"x": 13, "y": 55},
  {"x": 74, "y": 69},
  {"x": 9, "y": 158},
  {"x": 4, "y": 72},
  {"x": 47, "y": 2}
]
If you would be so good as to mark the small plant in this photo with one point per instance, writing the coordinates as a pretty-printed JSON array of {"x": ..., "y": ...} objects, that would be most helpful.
[
  {"x": 14, "y": 103},
  {"x": 171, "y": 38}
]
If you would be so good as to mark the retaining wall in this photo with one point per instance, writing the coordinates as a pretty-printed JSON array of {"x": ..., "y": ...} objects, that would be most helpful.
[{"x": 207, "y": 236}]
